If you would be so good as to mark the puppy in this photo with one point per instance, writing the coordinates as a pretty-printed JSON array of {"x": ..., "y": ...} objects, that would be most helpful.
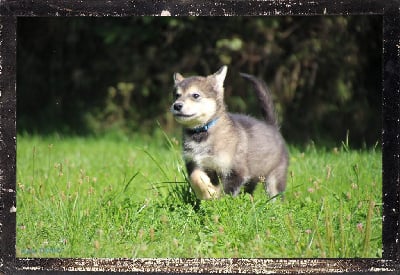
[{"x": 224, "y": 151}]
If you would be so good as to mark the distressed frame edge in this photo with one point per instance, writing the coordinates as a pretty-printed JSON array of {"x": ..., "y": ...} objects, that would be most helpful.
[
  {"x": 211, "y": 265},
  {"x": 389, "y": 262},
  {"x": 391, "y": 133},
  {"x": 190, "y": 8},
  {"x": 8, "y": 141}
]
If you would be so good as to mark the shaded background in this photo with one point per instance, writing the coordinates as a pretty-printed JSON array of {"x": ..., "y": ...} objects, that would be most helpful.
[{"x": 90, "y": 76}]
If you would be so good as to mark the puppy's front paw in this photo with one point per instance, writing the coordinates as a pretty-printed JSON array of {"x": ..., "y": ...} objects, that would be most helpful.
[{"x": 202, "y": 186}]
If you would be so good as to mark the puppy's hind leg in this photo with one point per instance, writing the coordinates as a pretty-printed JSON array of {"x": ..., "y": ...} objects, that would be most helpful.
[
  {"x": 275, "y": 181},
  {"x": 275, "y": 184},
  {"x": 271, "y": 186}
]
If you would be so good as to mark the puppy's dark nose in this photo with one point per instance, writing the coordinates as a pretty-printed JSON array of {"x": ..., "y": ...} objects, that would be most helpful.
[{"x": 178, "y": 106}]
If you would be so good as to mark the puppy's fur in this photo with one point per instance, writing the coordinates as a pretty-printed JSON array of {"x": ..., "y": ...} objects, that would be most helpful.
[{"x": 223, "y": 150}]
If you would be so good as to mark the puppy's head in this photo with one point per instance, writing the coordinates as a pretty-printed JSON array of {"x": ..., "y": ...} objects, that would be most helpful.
[{"x": 198, "y": 99}]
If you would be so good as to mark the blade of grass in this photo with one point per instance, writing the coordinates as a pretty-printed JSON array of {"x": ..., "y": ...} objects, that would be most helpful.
[
  {"x": 367, "y": 239},
  {"x": 330, "y": 237},
  {"x": 155, "y": 161},
  {"x": 343, "y": 244},
  {"x": 130, "y": 180},
  {"x": 316, "y": 226},
  {"x": 289, "y": 225}
]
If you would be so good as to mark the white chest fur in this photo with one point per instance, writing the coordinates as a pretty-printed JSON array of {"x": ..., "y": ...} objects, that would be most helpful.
[{"x": 205, "y": 156}]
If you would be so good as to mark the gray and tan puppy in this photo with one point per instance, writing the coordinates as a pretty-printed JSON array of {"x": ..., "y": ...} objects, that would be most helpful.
[{"x": 224, "y": 150}]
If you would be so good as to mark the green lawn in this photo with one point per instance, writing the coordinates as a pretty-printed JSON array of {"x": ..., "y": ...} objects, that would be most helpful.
[{"x": 120, "y": 197}]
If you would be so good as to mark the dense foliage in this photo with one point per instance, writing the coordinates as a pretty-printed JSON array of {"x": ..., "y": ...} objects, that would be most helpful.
[{"x": 92, "y": 75}]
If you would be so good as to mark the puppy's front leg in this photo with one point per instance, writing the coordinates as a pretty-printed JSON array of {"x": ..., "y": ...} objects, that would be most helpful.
[{"x": 202, "y": 186}]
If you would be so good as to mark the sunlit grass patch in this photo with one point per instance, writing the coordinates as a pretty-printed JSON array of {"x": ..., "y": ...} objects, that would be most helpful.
[{"x": 120, "y": 197}]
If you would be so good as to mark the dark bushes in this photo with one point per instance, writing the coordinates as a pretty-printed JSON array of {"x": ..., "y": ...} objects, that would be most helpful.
[{"x": 92, "y": 75}]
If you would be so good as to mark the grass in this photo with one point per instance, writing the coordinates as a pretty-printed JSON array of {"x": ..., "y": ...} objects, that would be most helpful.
[{"x": 120, "y": 197}]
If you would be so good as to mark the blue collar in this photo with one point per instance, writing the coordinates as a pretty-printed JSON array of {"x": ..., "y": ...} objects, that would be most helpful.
[{"x": 205, "y": 127}]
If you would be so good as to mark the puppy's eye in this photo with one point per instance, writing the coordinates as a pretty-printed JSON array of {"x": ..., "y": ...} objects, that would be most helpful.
[
  {"x": 177, "y": 96},
  {"x": 195, "y": 95}
]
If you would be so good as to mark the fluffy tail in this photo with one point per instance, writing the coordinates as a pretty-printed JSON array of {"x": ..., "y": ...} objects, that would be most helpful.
[{"x": 265, "y": 97}]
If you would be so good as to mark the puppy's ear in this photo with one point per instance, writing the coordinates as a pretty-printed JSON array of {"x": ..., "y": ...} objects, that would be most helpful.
[
  {"x": 219, "y": 77},
  {"x": 178, "y": 78}
]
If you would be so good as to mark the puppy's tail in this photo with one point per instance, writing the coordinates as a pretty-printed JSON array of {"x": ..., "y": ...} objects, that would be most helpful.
[{"x": 265, "y": 98}]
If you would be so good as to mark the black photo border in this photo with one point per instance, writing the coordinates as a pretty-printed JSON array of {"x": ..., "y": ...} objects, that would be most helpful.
[{"x": 10, "y": 10}]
